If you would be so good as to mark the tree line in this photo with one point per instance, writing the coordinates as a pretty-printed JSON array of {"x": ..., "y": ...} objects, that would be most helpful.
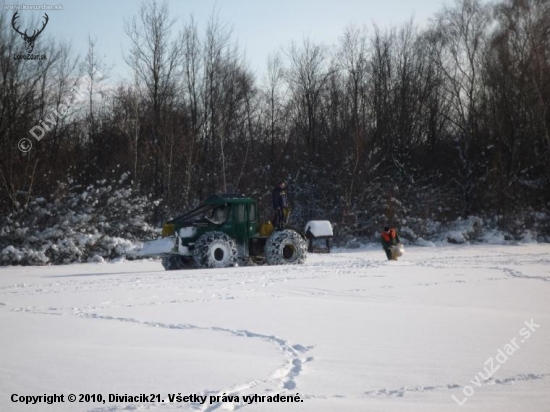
[{"x": 438, "y": 122}]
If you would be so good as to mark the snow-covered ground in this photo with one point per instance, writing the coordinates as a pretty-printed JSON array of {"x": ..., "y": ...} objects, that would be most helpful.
[{"x": 347, "y": 331}]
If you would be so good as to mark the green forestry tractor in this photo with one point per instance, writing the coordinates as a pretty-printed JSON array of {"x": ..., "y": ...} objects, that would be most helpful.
[{"x": 224, "y": 231}]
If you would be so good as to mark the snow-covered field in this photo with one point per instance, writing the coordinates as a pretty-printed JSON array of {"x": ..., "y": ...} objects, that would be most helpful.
[{"x": 347, "y": 331}]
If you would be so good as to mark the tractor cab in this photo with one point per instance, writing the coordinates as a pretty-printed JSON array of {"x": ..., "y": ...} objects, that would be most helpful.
[{"x": 232, "y": 214}]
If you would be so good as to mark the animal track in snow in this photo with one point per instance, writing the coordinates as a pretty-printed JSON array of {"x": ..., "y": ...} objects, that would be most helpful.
[
  {"x": 403, "y": 391},
  {"x": 286, "y": 375},
  {"x": 518, "y": 274}
]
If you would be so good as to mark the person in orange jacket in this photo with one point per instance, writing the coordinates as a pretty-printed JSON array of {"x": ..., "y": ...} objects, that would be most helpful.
[{"x": 389, "y": 238}]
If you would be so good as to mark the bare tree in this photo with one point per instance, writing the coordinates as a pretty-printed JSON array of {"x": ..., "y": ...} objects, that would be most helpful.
[
  {"x": 462, "y": 31},
  {"x": 27, "y": 95},
  {"x": 192, "y": 60},
  {"x": 307, "y": 76},
  {"x": 156, "y": 60},
  {"x": 517, "y": 80},
  {"x": 95, "y": 74},
  {"x": 353, "y": 59},
  {"x": 274, "y": 94}
]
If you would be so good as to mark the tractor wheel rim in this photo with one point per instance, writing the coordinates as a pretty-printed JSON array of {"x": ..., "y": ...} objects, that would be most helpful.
[
  {"x": 289, "y": 252},
  {"x": 219, "y": 254}
]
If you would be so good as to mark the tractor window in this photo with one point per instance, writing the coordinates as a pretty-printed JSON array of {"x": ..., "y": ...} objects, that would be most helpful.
[
  {"x": 219, "y": 214},
  {"x": 240, "y": 214},
  {"x": 251, "y": 213}
]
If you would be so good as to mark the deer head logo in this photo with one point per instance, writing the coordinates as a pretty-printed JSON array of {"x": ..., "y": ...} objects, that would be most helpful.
[{"x": 29, "y": 39}]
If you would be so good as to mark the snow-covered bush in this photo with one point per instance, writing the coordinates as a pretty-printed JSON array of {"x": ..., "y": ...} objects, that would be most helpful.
[
  {"x": 77, "y": 224},
  {"x": 527, "y": 226},
  {"x": 465, "y": 230}
]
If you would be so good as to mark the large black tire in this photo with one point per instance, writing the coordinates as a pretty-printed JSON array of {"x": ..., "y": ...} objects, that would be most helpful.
[
  {"x": 177, "y": 262},
  {"x": 215, "y": 250},
  {"x": 285, "y": 247}
]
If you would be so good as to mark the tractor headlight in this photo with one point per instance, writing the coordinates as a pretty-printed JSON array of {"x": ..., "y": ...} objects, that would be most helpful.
[{"x": 168, "y": 230}]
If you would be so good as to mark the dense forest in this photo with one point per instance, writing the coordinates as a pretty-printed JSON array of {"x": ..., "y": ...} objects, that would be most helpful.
[{"x": 417, "y": 127}]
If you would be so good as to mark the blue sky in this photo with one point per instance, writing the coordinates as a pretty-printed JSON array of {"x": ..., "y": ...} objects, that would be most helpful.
[{"x": 260, "y": 26}]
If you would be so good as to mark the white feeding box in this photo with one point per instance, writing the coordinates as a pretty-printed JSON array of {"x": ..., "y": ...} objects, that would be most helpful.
[{"x": 318, "y": 229}]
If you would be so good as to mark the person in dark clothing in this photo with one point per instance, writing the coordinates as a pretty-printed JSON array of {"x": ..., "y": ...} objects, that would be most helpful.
[
  {"x": 388, "y": 239},
  {"x": 280, "y": 204}
]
